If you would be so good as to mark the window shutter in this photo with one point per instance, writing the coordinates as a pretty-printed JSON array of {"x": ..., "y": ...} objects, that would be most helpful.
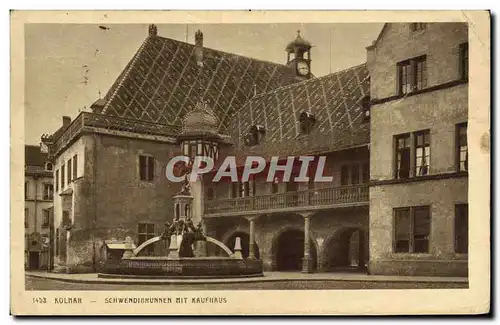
[
  {"x": 398, "y": 79},
  {"x": 75, "y": 166},
  {"x": 151, "y": 168},
  {"x": 142, "y": 167}
]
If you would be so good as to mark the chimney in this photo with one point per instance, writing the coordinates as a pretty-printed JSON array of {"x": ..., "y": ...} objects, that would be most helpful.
[
  {"x": 66, "y": 121},
  {"x": 198, "y": 43},
  {"x": 153, "y": 30},
  {"x": 198, "y": 38}
]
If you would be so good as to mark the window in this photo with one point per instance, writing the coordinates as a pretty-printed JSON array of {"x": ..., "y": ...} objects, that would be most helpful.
[
  {"x": 240, "y": 189},
  {"x": 48, "y": 166},
  {"x": 412, "y": 157},
  {"x": 275, "y": 186},
  {"x": 255, "y": 135},
  {"x": 57, "y": 180},
  {"x": 415, "y": 27},
  {"x": 461, "y": 228},
  {"x": 26, "y": 190},
  {"x": 45, "y": 219},
  {"x": 462, "y": 156},
  {"x": 464, "y": 61},
  {"x": 403, "y": 156},
  {"x": 26, "y": 217},
  {"x": 146, "y": 231},
  {"x": 210, "y": 193},
  {"x": 354, "y": 174},
  {"x": 344, "y": 175},
  {"x": 365, "y": 173},
  {"x": 306, "y": 121},
  {"x": 69, "y": 170},
  {"x": 146, "y": 168},
  {"x": 412, "y": 75},
  {"x": 412, "y": 229},
  {"x": 48, "y": 191},
  {"x": 75, "y": 167},
  {"x": 62, "y": 177},
  {"x": 422, "y": 153}
]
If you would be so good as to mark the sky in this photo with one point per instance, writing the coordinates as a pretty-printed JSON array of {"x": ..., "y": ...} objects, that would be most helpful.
[{"x": 69, "y": 66}]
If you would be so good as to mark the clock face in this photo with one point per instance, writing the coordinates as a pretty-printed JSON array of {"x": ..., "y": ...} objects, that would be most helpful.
[{"x": 303, "y": 68}]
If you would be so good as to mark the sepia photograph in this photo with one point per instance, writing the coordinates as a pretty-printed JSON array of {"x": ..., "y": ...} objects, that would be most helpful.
[{"x": 210, "y": 159}]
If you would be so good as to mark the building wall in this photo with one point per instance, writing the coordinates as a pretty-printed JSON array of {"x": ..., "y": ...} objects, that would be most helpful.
[
  {"x": 439, "y": 42},
  {"x": 110, "y": 200},
  {"x": 439, "y": 111},
  {"x": 67, "y": 194},
  {"x": 324, "y": 227},
  {"x": 441, "y": 196},
  {"x": 36, "y": 205}
]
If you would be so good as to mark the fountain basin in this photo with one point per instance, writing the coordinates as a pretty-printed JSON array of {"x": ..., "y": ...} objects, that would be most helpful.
[{"x": 187, "y": 267}]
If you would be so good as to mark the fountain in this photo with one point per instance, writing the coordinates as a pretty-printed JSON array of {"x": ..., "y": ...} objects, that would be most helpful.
[{"x": 181, "y": 261}]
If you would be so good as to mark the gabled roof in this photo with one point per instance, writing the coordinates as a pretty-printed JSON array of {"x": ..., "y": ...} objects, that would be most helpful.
[
  {"x": 374, "y": 43},
  {"x": 33, "y": 156},
  {"x": 336, "y": 102},
  {"x": 160, "y": 83}
]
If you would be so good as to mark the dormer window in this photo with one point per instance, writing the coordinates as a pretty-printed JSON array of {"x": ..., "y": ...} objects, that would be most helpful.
[
  {"x": 48, "y": 166},
  {"x": 255, "y": 135},
  {"x": 365, "y": 105},
  {"x": 307, "y": 121}
]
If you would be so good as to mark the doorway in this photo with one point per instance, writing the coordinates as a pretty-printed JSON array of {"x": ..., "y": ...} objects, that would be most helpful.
[
  {"x": 346, "y": 251},
  {"x": 34, "y": 260},
  {"x": 289, "y": 251}
]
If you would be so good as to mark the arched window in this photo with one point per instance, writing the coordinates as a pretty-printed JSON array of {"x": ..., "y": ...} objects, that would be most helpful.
[
  {"x": 186, "y": 211},
  {"x": 48, "y": 166}
]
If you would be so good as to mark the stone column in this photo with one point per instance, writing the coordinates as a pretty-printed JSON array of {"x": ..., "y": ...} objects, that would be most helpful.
[
  {"x": 361, "y": 250},
  {"x": 251, "y": 244},
  {"x": 307, "y": 261}
]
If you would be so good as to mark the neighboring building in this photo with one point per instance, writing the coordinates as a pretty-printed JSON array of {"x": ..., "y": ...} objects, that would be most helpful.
[
  {"x": 174, "y": 98},
  {"x": 38, "y": 196},
  {"x": 418, "y": 161}
]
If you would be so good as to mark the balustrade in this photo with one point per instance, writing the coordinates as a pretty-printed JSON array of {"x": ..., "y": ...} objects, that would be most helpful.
[{"x": 331, "y": 196}]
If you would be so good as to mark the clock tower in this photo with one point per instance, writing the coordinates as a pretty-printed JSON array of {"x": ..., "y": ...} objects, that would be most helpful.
[{"x": 299, "y": 57}]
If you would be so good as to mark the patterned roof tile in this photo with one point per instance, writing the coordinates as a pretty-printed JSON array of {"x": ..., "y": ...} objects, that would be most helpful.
[
  {"x": 161, "y": 83},
  {"x": 335, "y": 100}
]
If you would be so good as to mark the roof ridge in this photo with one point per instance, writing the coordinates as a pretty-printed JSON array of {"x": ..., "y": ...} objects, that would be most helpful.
[
  {"x": 274, "y": 90},
  {"x": 224, "y": 52},
  {"x": 126, "y": 73}
]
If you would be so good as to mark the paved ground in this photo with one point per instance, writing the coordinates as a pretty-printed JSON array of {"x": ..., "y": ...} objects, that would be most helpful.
[{"x": 271, "y": 281}]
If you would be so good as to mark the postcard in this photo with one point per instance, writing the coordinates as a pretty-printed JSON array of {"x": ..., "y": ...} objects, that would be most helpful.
[{"x": 250, "y": 163}]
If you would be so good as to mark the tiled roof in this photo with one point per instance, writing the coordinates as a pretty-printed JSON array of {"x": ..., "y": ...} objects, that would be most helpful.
[
  {"x": 33, "y": 156},
  {"x": 160, "y": 83},
  {"x": 336, "y": 102}
]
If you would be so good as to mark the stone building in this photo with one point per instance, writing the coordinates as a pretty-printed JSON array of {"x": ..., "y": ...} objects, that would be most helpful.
[
  {"x": 38, "y": 196},
  {"x": 418, "y": 149},
  {"x": 175, "y": 98}
]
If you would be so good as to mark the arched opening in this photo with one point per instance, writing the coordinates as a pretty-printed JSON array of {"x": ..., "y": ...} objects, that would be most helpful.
[
  {"x": 245, "y": 244},
  {"x": 289, "y": 250},
  {"x": 346, "y": 250}
]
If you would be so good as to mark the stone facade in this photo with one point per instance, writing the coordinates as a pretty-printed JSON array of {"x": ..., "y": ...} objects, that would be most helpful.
[
  {"x": 439, "y": 108},
  {"x": 37, "y": 208},
  {"x": 98, "y": 201}
]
